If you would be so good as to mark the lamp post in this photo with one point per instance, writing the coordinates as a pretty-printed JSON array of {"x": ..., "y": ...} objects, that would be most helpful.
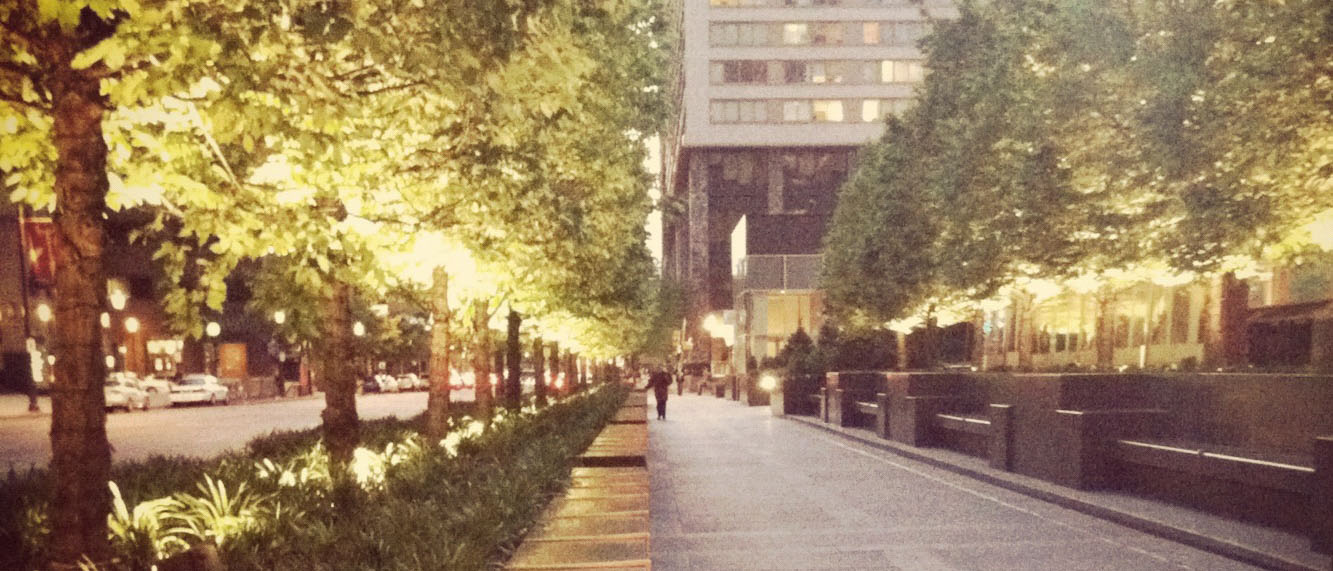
[
  {"x": 132, "y": 328},
  {"x": 212, "y": 330},
  {"x": 118, "y": 298}
]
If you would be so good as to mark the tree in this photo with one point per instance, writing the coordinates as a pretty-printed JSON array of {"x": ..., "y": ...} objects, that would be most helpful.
[{"x": 53, "y": 107}]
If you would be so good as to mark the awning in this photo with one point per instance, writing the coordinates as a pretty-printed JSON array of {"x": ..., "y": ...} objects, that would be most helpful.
[{"x": 1293, "y": 313}]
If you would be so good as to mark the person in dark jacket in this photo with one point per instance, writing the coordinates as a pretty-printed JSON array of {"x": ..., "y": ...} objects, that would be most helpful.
[{"x": 660, "y": 382}]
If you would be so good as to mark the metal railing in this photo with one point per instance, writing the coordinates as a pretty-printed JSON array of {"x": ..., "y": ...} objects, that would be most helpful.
[{"x": 794, "y": 272}]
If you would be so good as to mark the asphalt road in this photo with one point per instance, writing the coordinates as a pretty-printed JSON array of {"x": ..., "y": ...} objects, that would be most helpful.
[{"x": 201, "y": 431}]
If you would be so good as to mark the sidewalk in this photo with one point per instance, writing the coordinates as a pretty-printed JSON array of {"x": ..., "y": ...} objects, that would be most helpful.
[
  {"x": 735, "y": 488},
  {"x": 16, "y": 405}
]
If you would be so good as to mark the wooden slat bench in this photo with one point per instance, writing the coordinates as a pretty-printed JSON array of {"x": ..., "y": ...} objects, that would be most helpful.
[
  {"x": 1286, "y": 472},
  {"x": 968, "y": 423}
]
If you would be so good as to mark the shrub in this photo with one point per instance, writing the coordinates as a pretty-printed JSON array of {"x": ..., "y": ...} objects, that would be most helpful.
[{"x": 405, "y": 503}]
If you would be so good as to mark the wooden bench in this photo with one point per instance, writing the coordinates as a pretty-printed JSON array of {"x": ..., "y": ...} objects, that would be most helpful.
[
  {"x": 878, "y": 410},
  {"x": 816, "y": 401},
  {"x": 1274, "y": 471},
  {"x": 966, "y": 423}
]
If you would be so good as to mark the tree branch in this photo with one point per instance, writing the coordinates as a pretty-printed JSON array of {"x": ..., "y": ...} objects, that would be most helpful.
[
  {"x": 18, "y": 68},
  {"x": 27, "y": 37},
  {"x": 19, "y": 101},
  {"x": 386, "y": 89}
]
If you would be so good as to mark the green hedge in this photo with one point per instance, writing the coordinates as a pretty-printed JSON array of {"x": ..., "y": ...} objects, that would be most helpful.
[{"x": 405, "y": 503}]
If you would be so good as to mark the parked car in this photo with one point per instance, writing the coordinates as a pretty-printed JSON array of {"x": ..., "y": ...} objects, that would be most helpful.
[
  {"x": 123, "y": 393},
  {"x": 158, "y": 389},
  {"x": 370, "y": 385},
  {"x": 198, "y": 387},
  {"x": 459, "y": 380},
  {"x": 410, "y": 382},
  {"x": 388, "y": 384}
]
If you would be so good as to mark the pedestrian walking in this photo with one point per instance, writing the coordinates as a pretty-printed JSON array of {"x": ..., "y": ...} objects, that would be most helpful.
[{"x": 660, "y": 382}]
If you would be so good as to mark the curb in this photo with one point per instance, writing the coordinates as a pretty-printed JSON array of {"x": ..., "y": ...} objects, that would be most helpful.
[
  {"x": 1241, "y": 553},
  {"x": 46, "y": 407}
]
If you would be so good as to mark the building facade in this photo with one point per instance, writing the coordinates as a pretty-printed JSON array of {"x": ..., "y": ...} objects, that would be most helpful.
[{"x": 774, "y": 98}]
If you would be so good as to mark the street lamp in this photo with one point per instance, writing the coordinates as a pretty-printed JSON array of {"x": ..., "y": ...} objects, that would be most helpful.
[
  {"x": 358, "y": 329},
  {"x": 43, "y": 312},
  {"x": 117, "y": 298},
  {"x": 212, "y": 330},
  {"x": 279, "y": 317},
  {"x": 132, "y": 330}
]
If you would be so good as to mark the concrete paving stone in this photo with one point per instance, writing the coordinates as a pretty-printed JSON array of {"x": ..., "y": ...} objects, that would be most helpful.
[
  {"x": 605, "y": 491},
  {"x": 734, "y": 488},
  {"x": 593, "y": 525},
  {"x": 612, "y": 479},
  {"x": 581, "y": 472},
  {"x": 589, "y": 506},
  {"x": 720, "y": 559},
  {"x": 585, "y": 554}
]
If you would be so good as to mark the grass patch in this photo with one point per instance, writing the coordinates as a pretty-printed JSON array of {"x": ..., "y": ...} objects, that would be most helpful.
[{"x": 405, "y": 503}]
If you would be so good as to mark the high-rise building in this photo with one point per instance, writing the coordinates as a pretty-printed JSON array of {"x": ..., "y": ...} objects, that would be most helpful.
[{"x": 774, "y": 97}]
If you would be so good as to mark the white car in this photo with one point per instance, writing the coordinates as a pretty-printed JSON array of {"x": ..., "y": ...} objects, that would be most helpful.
[
  {"x": 387, "y": 383},
  {"x": 410, "y": 382},
  {"x": 197, "y": 387},
  {"x": 157, "y": 390},
  {"x": 123, "y": 393}
]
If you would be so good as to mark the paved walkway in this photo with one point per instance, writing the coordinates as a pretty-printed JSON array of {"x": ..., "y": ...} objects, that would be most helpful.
[{"x": 735, "y": 488}]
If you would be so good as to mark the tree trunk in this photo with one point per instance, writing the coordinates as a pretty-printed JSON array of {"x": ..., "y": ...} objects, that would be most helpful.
[
  {"x": 481, "y": 358},
  {"x": 1105, "y": 342},
  {"x": 80, "y": 453},
  {"x": 539, "y": 371},
  {"x": 900, "y": 339},
  {"x": 341, "y": 426},
  {"x": 555, "y": 363},
  {"x": 1023, "y": 328},
  {"x": 441, "y": 358},
  {"x": 976, "y": 346},
  {"x": 514, "y": 360},
  {"x": 501, "y": 385},
  {"x": 1233, "y": 310},
  {"x": 571, "y": 371},
  {"x": 931, "y": 342}
]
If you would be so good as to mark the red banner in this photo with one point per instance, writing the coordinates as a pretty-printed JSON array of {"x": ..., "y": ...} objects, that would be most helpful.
[{"x": 39, "y": 243}]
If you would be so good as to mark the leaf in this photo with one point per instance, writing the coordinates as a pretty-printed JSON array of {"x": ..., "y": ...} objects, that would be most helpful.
[
  {"x": 89, "y": 57},
  {"x": 47, "y": 10}
]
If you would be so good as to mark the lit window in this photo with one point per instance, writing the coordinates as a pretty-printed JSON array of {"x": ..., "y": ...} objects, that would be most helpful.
[
  {"x": 794, "y": 34},
  {"x": 870, "y": 110},
  {"x": 899, "y": 71},
  {"x": 828, "y": 110},
  {"x": 870, "y": 33}
]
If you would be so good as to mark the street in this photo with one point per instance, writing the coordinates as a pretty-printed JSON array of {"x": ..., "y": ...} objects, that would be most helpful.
[{"x": 201, "y": 431}]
